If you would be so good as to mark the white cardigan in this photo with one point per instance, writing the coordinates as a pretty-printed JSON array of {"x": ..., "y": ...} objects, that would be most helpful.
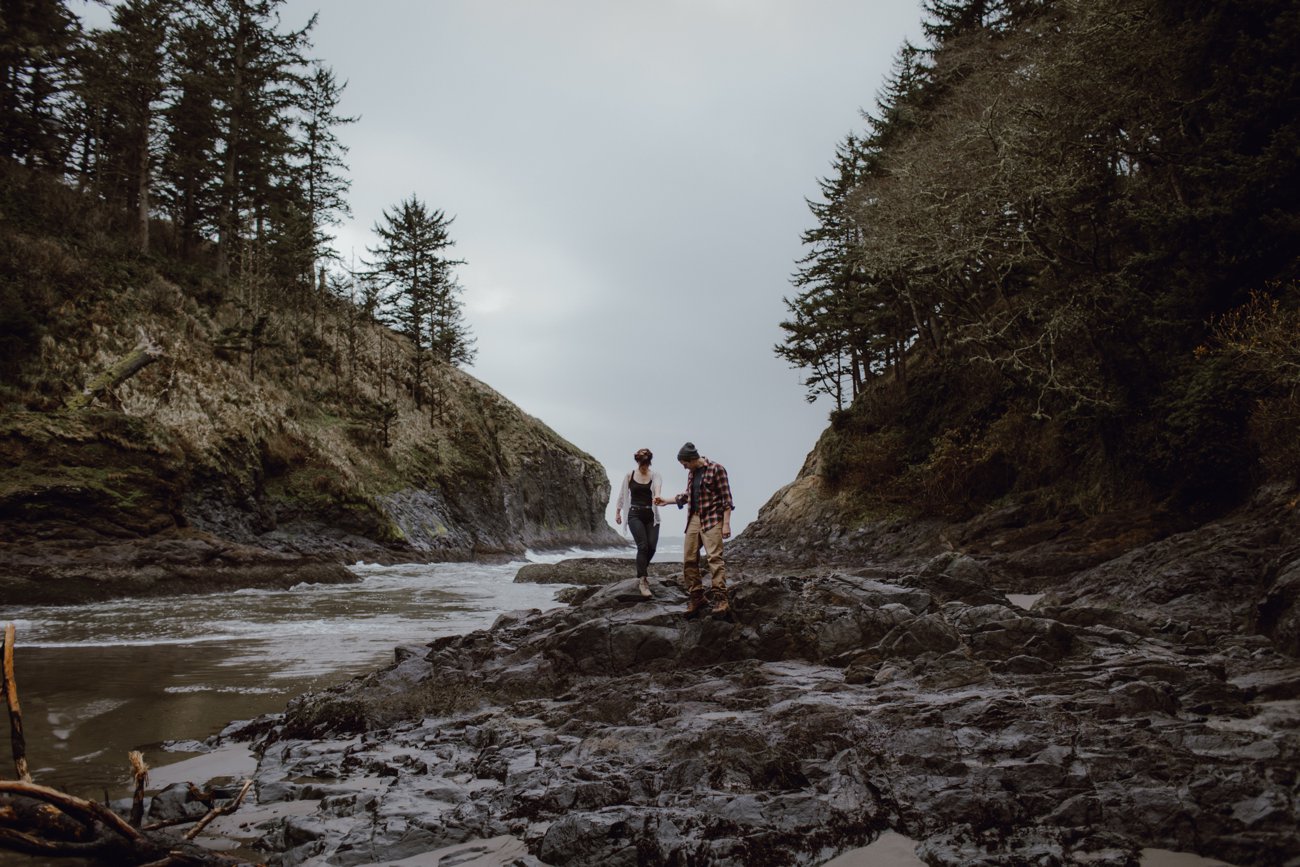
[{"x": 624, "y": 498}]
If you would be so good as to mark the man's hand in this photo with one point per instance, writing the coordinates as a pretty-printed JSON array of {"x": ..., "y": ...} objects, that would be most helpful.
[{"x": 726, "y": 531}]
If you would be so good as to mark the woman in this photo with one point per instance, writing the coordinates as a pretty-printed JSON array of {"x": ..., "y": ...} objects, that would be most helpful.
[{"x": 636, "y": 498}]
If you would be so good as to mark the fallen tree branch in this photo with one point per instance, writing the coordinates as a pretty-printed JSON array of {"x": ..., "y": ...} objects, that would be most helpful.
[
  {"x": 88, "y": 813},
  {"x": 145, "y": 353},
  {"x": 140, "y": 771},
  {"x": 17, "y": 741},
  {"x": 229, "y": 807},
  {"x": 80, "y": 828}
]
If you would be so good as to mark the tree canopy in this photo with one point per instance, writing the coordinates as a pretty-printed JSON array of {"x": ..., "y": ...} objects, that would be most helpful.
[
  {"x": 1046, "y": 212},
  {"x": 208, "y": 134}
]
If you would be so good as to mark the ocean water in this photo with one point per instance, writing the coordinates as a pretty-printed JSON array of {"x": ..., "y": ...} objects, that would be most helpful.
[{"x": 97, "y": 681}]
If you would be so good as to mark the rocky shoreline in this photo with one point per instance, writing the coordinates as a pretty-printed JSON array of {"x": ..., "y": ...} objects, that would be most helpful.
[
  {"x": 63, "y": 573},
  {"x": 1149, "y": 700},
  {"x": 184, "y": 562}
]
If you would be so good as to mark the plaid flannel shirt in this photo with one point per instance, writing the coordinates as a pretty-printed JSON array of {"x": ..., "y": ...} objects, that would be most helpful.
[{"x": 715, "y": 494}]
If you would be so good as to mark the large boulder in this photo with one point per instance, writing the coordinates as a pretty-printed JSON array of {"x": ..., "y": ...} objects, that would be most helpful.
[{"x": 590, "y": 571}]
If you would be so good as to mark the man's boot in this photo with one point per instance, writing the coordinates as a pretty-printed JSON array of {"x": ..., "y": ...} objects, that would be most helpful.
[
  {"x": 696, "y": 604},
  {"x": 721, "y": 605}
]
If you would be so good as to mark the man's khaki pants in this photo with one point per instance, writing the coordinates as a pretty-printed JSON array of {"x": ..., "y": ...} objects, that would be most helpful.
[{"x": 711, "y": 539}]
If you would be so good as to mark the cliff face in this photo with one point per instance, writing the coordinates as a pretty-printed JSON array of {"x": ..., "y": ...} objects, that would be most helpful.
[
  {"x": 485, "y": 479},
  {"x": 310, "y": 446},
  {"x": 809, "y": 521}
]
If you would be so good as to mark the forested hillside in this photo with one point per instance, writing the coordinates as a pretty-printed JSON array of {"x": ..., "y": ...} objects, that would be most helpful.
[
  {"x": 182, "y": 356},
  {"x": 1059, "y": 262}
]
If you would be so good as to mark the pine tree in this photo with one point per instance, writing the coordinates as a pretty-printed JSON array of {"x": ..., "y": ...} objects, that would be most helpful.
[
  {"x": 319, "y": 156},
  {"x": 822, "y": 335},
  {"x": 255, "y": 71},
  {"x": 188, "y": 175},
  {"x": 900, "y": 102},
  {"x": 946, "y": 20},
  {"x": 124, "y": 76},
  {"x": 410, "y": 260},
  {"x": 37, "y": 42}
]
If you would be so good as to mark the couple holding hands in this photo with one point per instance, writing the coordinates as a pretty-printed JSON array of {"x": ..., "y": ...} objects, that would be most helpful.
[{"x": 708, "y": 522}]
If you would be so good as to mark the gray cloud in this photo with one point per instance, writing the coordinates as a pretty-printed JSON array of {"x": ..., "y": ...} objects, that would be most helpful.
[{"x": 628, "y": 181}]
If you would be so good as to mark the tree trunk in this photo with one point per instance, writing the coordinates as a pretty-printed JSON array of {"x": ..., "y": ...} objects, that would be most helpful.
[
  {"x": 142, "y": 190},
  {"x": 144, "y": 354}
]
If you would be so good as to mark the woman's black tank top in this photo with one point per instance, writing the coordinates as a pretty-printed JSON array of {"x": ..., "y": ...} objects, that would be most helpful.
[{"x": 641, "y": 496}]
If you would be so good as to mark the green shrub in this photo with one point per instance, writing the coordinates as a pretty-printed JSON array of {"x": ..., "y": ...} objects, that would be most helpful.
[
  {"x": 1274, "y": 427},
  {"x": 20, "y": 331},
  {"x": 1200, "y": 451}
]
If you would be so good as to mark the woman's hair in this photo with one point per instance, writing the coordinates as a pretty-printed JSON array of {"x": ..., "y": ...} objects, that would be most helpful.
[{"x": 643, "y": 456}]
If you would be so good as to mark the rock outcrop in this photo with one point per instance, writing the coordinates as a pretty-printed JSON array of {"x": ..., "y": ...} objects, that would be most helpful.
[
  {"x": 590, "y": 571},
  {"x": 93, "y": 501},
  {"x": 838, "y": 702},
  {"x": 166, "y": 564},
  {"x": 291, "y": 424}
]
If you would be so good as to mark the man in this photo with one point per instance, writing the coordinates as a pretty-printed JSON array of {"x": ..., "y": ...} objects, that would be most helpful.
[{"x": 708, "y": 493}]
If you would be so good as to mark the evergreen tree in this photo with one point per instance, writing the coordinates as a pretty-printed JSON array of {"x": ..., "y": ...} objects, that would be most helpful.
[
  {"x": 319, "y": 156},
  {"x": 900, "y": 103},
  {"x": 123, "y": 80},
  {"x": 410, "y": 260},
  {"x": 37, "y": 41},
  {"x": 189, "y": 187},
  {"x": 255, "y": 72},
  {"x": 821, "y": 334},
  {"x": 850, "y": 321},
  {"x": 946, "y": 20}
]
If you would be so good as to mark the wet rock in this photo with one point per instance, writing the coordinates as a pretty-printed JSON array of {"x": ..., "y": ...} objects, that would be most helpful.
[
  {"x": 1147, "y": 701},
  {"x": 831, "y": 705},
  {"x": 179, "y": 801},
  {"x": 167, "y": 564},
  {"x": 1278, "y": 614},
  {"x": 590, "y": 571}
]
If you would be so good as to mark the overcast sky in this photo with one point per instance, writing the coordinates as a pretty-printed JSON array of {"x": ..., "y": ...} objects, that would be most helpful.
[{"x": 628, "y": 183}]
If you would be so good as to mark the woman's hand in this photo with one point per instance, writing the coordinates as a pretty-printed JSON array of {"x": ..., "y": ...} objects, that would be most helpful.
[{"x": 618, "y": 516}]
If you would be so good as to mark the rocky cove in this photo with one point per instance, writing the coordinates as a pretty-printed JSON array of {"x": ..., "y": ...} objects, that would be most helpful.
[
  {"x": 1146, "y": 698},
  {"x": 101, "y": 504}
]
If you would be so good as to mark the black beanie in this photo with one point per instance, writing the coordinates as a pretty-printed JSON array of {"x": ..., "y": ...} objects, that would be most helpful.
[{"x": 687, "y": 452}]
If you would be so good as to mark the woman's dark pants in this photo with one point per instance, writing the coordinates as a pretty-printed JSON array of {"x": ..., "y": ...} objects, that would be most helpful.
[{"x": 646, "y": 533}]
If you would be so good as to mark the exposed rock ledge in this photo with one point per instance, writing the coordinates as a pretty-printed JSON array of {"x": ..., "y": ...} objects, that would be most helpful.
[
  {"x": 180, "y": 562},
  {"x": 840, "y": 702},
  {"x": 589, "y": 571}
]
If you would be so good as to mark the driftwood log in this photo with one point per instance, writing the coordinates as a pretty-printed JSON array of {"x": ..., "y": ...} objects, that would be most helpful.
[
  {"x": 38, "y": 820},
  {"x": 17, "y": 741},
  {"x": 145, "y": 353}
]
